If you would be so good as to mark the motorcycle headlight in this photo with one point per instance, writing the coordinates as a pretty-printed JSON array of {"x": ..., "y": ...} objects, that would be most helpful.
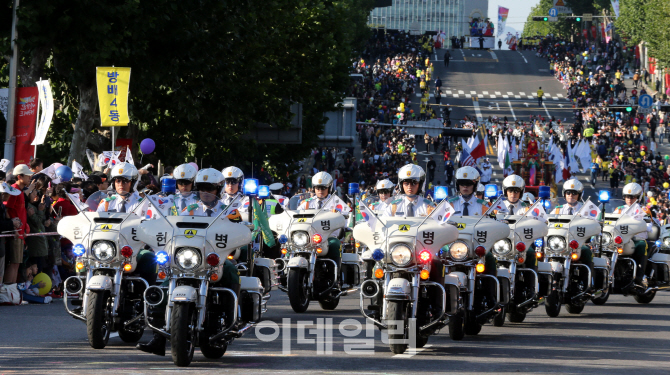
[
  {"x": 607, "y": 239},
  {"x": 556, "y": 243},
  {"x": 103, "y": 251},
  {"x": 458, "y": 251},
  {"x": 502, "y": 247},
  {"x": 188, "y": 258},
  {"x": 666, "y": 241},
  {"x": 401, "y": 255},
  {"x": 300, "y": 238}
]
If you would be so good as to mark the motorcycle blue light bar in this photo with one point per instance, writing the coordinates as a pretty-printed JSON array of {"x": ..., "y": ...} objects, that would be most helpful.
[
  {"x": 546, "y": 203},
  {"x": 250, "y": 186},
  {"x": 604, "y": 196},
  {"x": 78, "y": 250},
  {"x": 169, "y": 185},
  {"x": 544, "y": 192},
  {"x": 378, "y": 255},
  {"x": 491, "y": 191},
  {"x": 263, "y": 191},
  {"x": 283, "y": 239},
  {"x": 539, "y": 242},
  {"x": 353, "y": 188},
  {"x": 161, "y": 257},
  {"x": 441, "y": 192}
]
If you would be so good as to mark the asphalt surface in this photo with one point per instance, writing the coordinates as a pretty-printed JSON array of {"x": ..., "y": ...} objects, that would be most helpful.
[{"x": 621, "y": 337}]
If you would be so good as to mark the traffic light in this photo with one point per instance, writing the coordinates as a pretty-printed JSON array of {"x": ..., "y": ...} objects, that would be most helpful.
[
  {"x": 620, "y": 108},
  {"x": 543, "y": 19},
  {"x": 578, "y": 19}
]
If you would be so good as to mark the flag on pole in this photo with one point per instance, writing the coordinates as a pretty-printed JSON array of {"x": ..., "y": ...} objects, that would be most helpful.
[
  {"x": 129, "y": 156},
  {"x": 261, "y": 224},
  {"x": 499, "y": 206},
  {"x": 443, "y": 212},
  {"x": 78, "y": 171},
  {"x": 478, "y": 149},
  {"x": 367, "y": 216},
  {"x": 589, "y": 210},
  {"x": 537, "y": 212}
]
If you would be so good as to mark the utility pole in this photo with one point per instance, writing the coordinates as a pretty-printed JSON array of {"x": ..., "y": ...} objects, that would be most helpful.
[{"x": 11, "y": 105}]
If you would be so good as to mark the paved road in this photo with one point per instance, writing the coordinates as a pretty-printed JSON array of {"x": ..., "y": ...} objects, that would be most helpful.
[{"x": 618, "y": 338}]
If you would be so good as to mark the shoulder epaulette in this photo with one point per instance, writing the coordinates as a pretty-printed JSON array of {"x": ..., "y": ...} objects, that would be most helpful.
[
  {"x": 524, "y": 204},
  {"x": 108, "y": 199},
  {"x": 454, "y": 199},
  {"x": 428, "y": 202},
  {"x": 191, "y": 207},
  {"x": 481, "y": 201},
  {"x": 561, "y": 206},
  {"x": 397, "y": 201}
]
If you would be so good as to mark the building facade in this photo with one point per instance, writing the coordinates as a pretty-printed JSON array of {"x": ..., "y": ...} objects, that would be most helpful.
[{"x": 451, "y": 16}]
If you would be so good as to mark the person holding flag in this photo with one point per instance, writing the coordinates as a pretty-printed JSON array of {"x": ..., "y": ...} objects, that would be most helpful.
[
  {"x": 384, "y": 188},
  {"x": 572, "y": 192},
  {"x": 410, "y": 203},
  {"x": 632, "y": 195}
]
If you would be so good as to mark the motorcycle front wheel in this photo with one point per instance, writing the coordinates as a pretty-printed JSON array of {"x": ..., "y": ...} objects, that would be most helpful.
[
  {"x": 297, "y": 289},
  {"x": 470, "y": 326},
  {"x": 456, "y": 331},
  {"x": 552, "y": 304},
  {"x": 98, "y": 322},
  {"x": 183, "y": 332},
  {"x": 499, "y": 320},
  {"x": 131, "y": 335},
  {"x": 574, "y": 309},
  {"x": 329, "y": 303},
  {"x": 645, "y": 298},
  {"x": 397, "y": 316},
  {"x": 601, "y": 299}
]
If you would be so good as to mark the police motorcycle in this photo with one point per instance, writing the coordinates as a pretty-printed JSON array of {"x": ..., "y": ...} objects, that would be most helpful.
[
  {"x": 482, "y": 289},
  {"x": 378, "y": 205},
  {"x": 566, "y": 251},
  {"x": 310, "y": 251},
  {"x": 107, "y": 292},
  {"x": 407, "y": 293},
  {"x": 640, "y": 266},
  {"x": 203, "y": 301},
  {"x": 513, "y": 254}
]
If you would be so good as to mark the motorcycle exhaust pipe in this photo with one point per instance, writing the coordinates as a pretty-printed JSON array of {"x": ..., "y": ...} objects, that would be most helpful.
[
  {"x": 370, "y": 289},
  {"x": 281, "y": 264},
  {"x": 73, "y": 285},
  {"x": 154, "y": 296}
]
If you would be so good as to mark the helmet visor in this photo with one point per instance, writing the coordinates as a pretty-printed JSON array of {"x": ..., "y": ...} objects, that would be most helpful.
[
  {"x": 232, "y": 181},
  {"x": 572, "y": 192},
  {"x": 466, "y": 182},
  {"x": 184, "y": 182},
  {"x": 203, "y": 186}
]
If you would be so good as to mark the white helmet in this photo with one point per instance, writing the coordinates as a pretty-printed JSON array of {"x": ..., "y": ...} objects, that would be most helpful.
[
  {"x": 528, "y": 197},
  {"x": 185, "y": 172},
  {"x": 632, "y": 189},
  {"x": 480, "y": 188},
  {"x": 466, "y": 174},
  {"x": 574, "y": 185},
  {"x": 323, "y": 179},
  {"x": 124, "y": 170},
  {"x": 233, "y": 172},
  {"x": 276, "y": 187},
  {"x": 209, "y": 176},
  {"x": 411, "y": 172},
  {"x": 513, "y": 181},
  {"x": 384, "y": 184}
]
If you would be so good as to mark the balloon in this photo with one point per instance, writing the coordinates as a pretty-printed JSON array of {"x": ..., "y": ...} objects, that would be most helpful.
[
  {"x": 630, "y": 142},
  {"x": 642, "y": 153},
  {"x": 648, "y": 171},
  {"x": 43, "y": 277},
  {"x": 411, "y": 111},
  {"x": 147, "y": 146},
  {"x": 194, "y": 165},
  {"x": 64, "y": 173},
  {"x": 667, "y": 157},
  {"x": 635, "y": 128},
  {"x": 666, "y": 185},
  {"x": 638, "y": 160},
  {"x": 650, "y": 193}
]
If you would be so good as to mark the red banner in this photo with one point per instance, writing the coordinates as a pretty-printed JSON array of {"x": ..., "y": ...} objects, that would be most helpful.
[
  {"x": 594, "y": 31},
  {"x": 652, "y": 65},
  {"x": 24, "y": 124},
  {"x": 585, "y": 33}
]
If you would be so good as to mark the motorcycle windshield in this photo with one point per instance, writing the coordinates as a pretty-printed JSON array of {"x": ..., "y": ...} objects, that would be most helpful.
[
  {"x": 295, "y": 200},
  {"x": 96, "y": 199},
  {"x": 198, "y": 203}
]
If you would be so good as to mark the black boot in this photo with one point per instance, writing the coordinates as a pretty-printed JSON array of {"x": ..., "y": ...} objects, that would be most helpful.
[{"x": 155, "y": 346}]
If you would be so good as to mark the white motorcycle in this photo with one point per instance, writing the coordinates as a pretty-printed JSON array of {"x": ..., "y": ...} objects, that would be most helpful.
[
  {"x": 618, "y": 246},
  {"x": 407, "y": 292},
  {"x": 306, "y": 273},
  {"x": 199, "y": 312},
  {"x": 570, "y": 281},
  {"x": 109, "y": 294},
  {"x": 524, "y": 283},
  {"x": 482, "y": 296}
]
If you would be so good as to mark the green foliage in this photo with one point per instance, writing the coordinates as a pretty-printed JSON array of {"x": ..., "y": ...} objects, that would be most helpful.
[
  {"x": 563, "y": 27},
  {"x": 633, "y": 21},
  {"x": 647, "y": 20},
  {"x": 203, "y": 72}
]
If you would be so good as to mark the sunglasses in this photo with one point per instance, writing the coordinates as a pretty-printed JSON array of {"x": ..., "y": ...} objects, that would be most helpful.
[
  {"x": 410, "y": 182},
  {"x": 123, "y": 180},
  {"x": 232, "y": 181},
  {"x": 514, "y": 190},
  {"x": 571, "y": 193},
  {"x": 384, "y": 191},
  {"x": 184, "y": 182},
  {"x": 466, "y": 183},
  {"x": 320, "y": 187}
]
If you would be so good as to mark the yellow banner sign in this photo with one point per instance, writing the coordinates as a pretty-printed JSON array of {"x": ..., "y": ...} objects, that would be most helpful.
[{"x": 113, "y": 95}]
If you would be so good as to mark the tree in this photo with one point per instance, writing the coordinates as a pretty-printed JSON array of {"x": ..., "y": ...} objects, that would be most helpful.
[{"x": 633, "y": 20}]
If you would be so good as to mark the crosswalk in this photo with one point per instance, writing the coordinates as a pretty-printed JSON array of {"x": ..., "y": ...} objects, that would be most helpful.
[{"x": 496, "y": 95}]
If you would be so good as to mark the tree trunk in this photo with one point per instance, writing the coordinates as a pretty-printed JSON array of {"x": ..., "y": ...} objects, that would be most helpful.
[{"x": 85, "y": 121}]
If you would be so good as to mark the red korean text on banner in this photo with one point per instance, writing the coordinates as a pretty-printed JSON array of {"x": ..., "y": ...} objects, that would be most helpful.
[{"x": 24, "y": 124}]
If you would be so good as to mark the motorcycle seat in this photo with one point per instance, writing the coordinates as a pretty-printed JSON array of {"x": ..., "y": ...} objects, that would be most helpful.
[
  {"x": 599, "y": 262},
  {"x": 251, "y": 284},
  {"x": 544, "y": 267},
  {"x": 264, "y": 262}
]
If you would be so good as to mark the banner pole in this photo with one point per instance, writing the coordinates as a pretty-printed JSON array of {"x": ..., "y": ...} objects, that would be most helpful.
[{"x": 37, "y": 121}]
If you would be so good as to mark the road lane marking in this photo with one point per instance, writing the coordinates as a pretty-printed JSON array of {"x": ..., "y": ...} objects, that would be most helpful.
[
  {"x": 455, "y": 95},
  {"x": 461, "y": 92},
  {"x": 506, "y": 96},
  {"x": 473, "y": 92},
  {"x": 498, "y": 93},
  {"x": 524, "y": 57},
  {"x": 546, "y": 110},
  {"x": 522, "y": 93},
  {"x": 468, "y": 96},
  {"x": 411, "y": 352},
  {"x": 510, "y": 93},
  {"x": 448, "y": 92},
  {"x": 475, "y": 104},
  {"x": 511, "y": 109},
  {"x": 485, "y": 92},
  {"x": 517, "y": 96}
]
